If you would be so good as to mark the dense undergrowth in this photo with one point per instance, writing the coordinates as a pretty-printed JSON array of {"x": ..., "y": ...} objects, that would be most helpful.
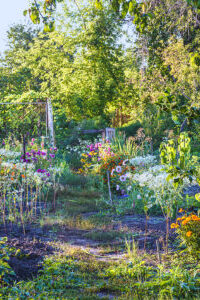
[{"x": 76, "y": 274}]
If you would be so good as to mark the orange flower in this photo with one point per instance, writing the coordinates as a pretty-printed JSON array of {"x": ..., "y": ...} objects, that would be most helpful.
[
  {"x": 23, "y": 176},
  {"x": 189, "y": 233},
  {"x": 13, "y": 173},
  {"x": 174, "y": 225},
  {"x": 184, "y": 222},
  {"x": 188, "y": 219},
  {"x": 181, "y": 210},
  {"x": 195, "y": 218},
  {"x": 12, "y": 178}
]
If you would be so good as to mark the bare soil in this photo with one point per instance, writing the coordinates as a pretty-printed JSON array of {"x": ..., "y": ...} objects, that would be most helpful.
[{"x": 34, "y": 245}]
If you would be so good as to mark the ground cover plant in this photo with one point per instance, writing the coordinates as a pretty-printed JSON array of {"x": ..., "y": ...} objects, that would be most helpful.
[{"x": 85, "y": 214}]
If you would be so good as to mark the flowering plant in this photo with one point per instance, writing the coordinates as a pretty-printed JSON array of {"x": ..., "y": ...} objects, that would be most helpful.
[
  {"x": 93, "y": 155},
  {"x": 42, "y": 158},
  {"x": 25, "y": 181},
  {"x": 143, "y": 161},
  {"x": 188, "y": 229},
  {"x": 119, "y": 170}
]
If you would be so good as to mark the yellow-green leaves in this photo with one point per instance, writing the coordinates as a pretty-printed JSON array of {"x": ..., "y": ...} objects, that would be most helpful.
[{"x": 197, "y": 197}]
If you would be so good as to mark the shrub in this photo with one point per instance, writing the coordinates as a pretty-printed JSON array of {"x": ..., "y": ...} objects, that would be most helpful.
[
  {"x": 6, "y": 273},
  {"x": 188, "y": 229}
]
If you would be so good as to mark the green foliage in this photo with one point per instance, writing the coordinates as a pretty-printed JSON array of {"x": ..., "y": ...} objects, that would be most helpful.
[
  {"x": 6, "y": 272},
  {"x": 130, "y": 130},
  {"x": 79, "y": 274},
  {"x": 178, "y": 159}
]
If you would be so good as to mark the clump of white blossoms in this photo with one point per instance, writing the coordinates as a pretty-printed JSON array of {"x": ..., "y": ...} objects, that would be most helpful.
[
  {"x": 151, "y": 180},
  {"x": 143, "y": 161},
  {"x": 9, "y": 154},
  {"x": 156, "y": 178}
]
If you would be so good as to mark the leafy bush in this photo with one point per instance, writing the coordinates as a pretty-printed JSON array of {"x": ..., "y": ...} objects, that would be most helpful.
[
  {"x": 188, "y": 229},
  {"x": 6, "y": 272},
  {"x": 131, "y": 129}
]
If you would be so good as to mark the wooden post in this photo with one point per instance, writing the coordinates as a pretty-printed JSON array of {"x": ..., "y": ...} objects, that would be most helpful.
[
  {"x": 109, "y": 189},
  {"x": 24, "y": 146},
  {"x": 110, "y": 133},
  {"x": 158, "y": 251},
  {"x": 50, "y": 122}
]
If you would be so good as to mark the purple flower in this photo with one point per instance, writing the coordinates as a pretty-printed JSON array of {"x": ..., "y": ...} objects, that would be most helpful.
[
  {"x": 43, "y": 153},
  {"x": 43, "y": 171},
  {"x": 55, "y": 149},
  {"x": 3, "y": 143},
  {"x": 52, "y": 155},
  {"x": 48, "y": 174},
  {"x": 39, "y": 171}
]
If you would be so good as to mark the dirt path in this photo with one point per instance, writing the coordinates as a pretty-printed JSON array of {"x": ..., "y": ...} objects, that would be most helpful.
[{"x": 37, "y": 242}]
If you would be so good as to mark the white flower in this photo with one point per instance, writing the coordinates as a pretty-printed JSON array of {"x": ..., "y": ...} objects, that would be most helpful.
[
  {"x": 129, "y": 188},
  {"x": 9, "y": 154},
  {"x": 113, "y": 170},
  {"x": 118, "y": 169},
  {"x": 128, "y": 175},
  {"x": 117, "y": 187},
  {"x": 122, "y": 178},
  {"x": 139, "y": 197},
  {"x": 140, "y": 160},
  {"x": 124, "y": 162}
]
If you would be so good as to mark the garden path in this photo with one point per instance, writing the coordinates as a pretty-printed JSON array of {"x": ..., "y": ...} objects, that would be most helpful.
[{"x": 104, "y": 244}]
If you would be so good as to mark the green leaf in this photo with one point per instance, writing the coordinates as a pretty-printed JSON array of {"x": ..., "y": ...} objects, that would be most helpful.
[
  {"x": 35, "y": 18},
  {"x": 197, "y": 197}
]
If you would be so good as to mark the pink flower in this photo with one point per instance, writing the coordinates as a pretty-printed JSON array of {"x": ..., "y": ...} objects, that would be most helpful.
[{"x": 33, "y": 140}]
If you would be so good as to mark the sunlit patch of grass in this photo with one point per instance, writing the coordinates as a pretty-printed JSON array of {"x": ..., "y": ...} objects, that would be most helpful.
[
  {"x": 71, "y": 222},
  {"x": 75, "y": 205},
  {"x": 105, "y": 235},
  {"x": 89, "y": 194}
]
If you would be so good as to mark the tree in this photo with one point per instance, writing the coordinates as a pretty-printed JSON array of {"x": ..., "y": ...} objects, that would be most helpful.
[
  {"x": 44, "y": 11},
  {"x": 79, "y": 68}
]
